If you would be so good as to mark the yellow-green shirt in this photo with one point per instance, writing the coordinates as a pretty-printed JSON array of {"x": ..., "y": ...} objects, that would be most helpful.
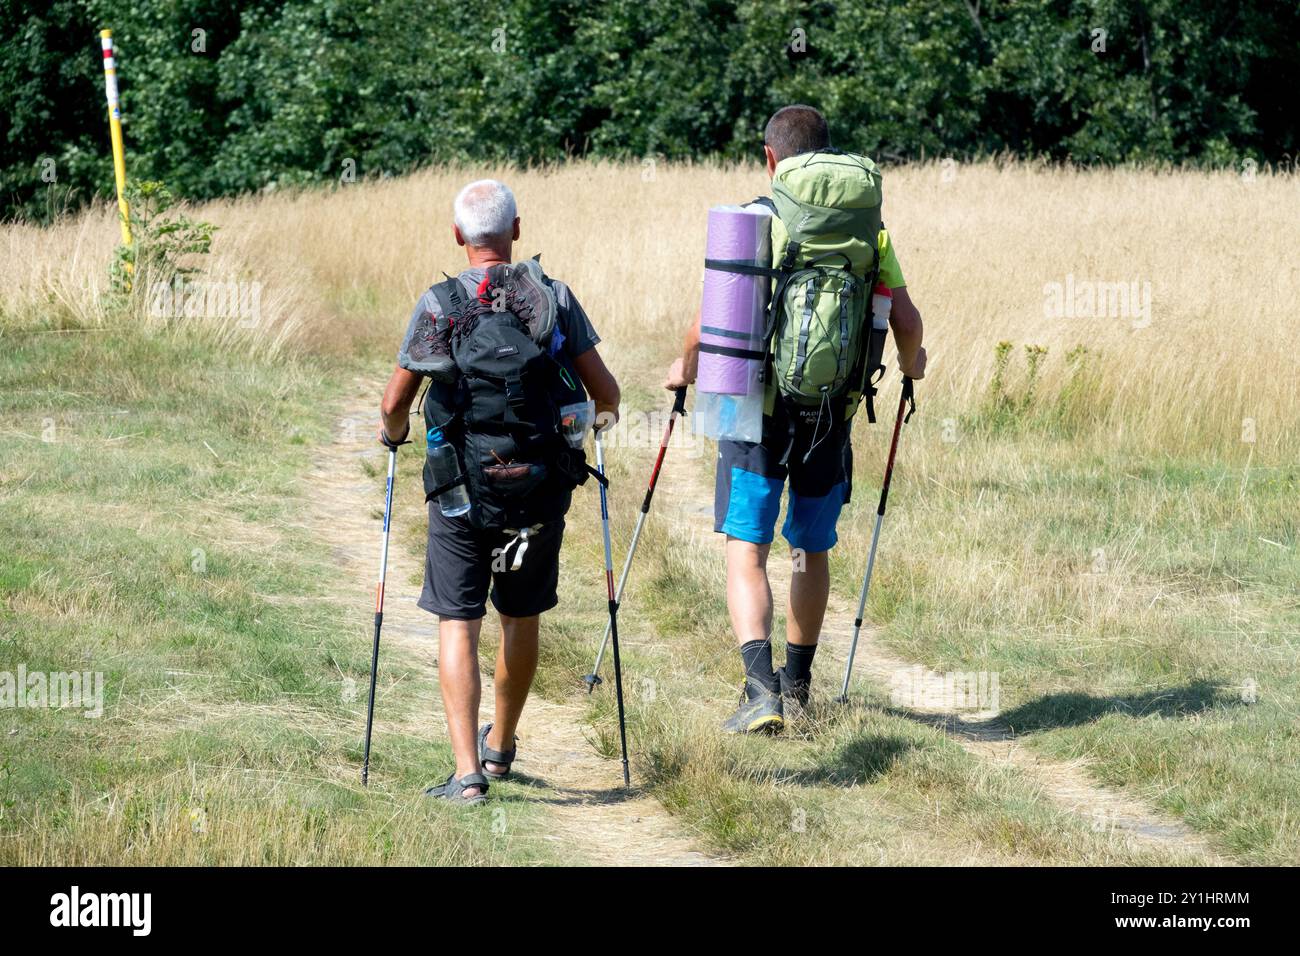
[{"x": 891, "y": 273}]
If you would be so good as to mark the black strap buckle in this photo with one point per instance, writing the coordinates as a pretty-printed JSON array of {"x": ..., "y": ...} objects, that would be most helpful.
[
  {"x": 515, "y": 396},
  {"x": 790, "y": 435}
]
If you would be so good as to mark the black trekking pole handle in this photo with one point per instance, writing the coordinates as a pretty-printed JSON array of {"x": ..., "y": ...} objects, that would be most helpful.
[{"x": 679, "y": 401}]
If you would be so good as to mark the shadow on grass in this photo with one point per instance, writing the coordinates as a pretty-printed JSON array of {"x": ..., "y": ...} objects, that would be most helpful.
[
  {"x": 1074, "y": 709},
  {"x": 862, "y": 759},
  {"x": 538, "y": 790}
]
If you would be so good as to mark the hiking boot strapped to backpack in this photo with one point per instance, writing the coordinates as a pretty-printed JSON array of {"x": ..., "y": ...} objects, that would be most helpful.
[
  {"x": 499, "y": 381},
  {"x": 822, "y": 347}
]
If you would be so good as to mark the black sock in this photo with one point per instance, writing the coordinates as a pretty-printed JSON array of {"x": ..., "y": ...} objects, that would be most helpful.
[
  {"x": 798, "y": 662},
  {"x": 757, "y": 656}
]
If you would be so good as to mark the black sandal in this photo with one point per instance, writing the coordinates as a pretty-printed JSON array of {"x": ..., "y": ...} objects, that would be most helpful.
[
  {"x": 487, "y": 755},
  {"x": 454, "y": 789}
]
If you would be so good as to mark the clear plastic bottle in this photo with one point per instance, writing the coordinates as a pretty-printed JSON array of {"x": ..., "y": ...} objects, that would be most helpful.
[
  {"x": 733, "y": 417},
  {"x": 882, "y": 302},
  {"x": 444, "y": 466}
]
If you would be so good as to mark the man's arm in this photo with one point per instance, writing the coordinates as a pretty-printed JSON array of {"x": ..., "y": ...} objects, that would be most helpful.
[
  {"x": 599, "y": 383},
  {"x": 905, "y": 321},
  {"x": 395, "y": 409},
  {"x": 683, "y": 370}
]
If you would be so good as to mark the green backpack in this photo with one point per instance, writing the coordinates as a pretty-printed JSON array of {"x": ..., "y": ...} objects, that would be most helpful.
[{"x": 826, "y": 263}]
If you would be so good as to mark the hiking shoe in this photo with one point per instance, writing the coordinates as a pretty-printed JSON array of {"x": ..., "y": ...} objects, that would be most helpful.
[
  {"x": 760, "y": 711},
  {"x": 428, "y": 350},
  {"x": 531, "y": 299},
  {"x": 797, "y": 692}
]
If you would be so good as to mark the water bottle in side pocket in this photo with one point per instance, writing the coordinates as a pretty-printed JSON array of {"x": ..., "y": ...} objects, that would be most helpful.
[
  {"x": 882, "y": 302},
  {"x": 444, "y": 466}
]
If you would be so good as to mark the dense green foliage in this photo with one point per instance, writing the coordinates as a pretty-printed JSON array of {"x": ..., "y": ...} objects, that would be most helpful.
[{"x": 223, "y": 96}]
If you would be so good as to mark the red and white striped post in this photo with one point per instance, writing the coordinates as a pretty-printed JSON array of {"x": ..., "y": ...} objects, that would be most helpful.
[{"x": 115, "y": 130}]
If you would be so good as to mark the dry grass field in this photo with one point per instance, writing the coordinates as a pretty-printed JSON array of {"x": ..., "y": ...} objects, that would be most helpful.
[
  {"x": 1211, "y": 253},
  {"x": 1103, "y": 513}
]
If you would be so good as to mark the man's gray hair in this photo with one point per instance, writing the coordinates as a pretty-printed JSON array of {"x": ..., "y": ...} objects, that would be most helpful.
[{"x": 485, "y": 211}]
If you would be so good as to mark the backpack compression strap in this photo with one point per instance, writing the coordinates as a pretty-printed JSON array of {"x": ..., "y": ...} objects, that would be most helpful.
[
  {"x": 742, "y": 267},
  {"x": 451, "y": 300},
  {"x": 441, "y": 489}
]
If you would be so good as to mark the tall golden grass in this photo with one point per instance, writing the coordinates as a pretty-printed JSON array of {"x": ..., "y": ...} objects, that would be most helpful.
[{"x": 979, "y": 245}]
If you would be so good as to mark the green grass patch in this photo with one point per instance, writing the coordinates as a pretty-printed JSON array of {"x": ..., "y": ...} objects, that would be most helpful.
[
  {"x": 1139, "y": 610},
  {"x": 154, "y": 531}
]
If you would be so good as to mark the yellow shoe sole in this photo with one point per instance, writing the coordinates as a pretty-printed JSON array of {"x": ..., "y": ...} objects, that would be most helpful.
[{"x": 771, "y": 724}]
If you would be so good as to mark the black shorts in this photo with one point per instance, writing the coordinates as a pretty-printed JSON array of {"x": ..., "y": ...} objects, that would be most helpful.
[{"x": 461, "y": 562}]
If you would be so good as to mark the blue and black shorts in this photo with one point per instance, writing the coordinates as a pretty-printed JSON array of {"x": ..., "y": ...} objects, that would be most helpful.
[{"x": 818, "y": 461}]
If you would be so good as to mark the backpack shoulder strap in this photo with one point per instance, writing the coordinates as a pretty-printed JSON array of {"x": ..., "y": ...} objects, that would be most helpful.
[{"x": 451, "y": 297}]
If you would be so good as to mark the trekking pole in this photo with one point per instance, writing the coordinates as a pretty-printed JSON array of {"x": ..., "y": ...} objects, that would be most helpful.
[
  {"x": 905, "y": 400},
  {"x": 679, "y": 408},
  {"x": 379, "y": 614},
  {"x": 613, "y": 604}
]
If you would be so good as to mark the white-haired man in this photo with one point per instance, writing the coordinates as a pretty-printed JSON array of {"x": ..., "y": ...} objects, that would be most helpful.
[{"x": 503, "y": 437}]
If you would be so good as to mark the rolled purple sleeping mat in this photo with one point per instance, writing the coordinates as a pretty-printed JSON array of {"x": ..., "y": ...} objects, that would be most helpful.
[{"x": 734, "y": 304}]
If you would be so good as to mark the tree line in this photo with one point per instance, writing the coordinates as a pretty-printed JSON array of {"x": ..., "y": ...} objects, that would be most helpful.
[{"x": 230, "y": 96}]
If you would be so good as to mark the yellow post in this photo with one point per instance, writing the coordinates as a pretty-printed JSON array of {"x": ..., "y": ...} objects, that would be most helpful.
[{"x": 115, "y": 128}]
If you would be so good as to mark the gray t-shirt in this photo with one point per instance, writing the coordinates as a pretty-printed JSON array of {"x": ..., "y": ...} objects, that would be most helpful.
[{"x": 574, "y": 333}]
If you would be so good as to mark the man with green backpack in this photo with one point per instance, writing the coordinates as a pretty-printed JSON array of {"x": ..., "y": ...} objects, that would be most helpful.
[{"x": 830, "y": 253}]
